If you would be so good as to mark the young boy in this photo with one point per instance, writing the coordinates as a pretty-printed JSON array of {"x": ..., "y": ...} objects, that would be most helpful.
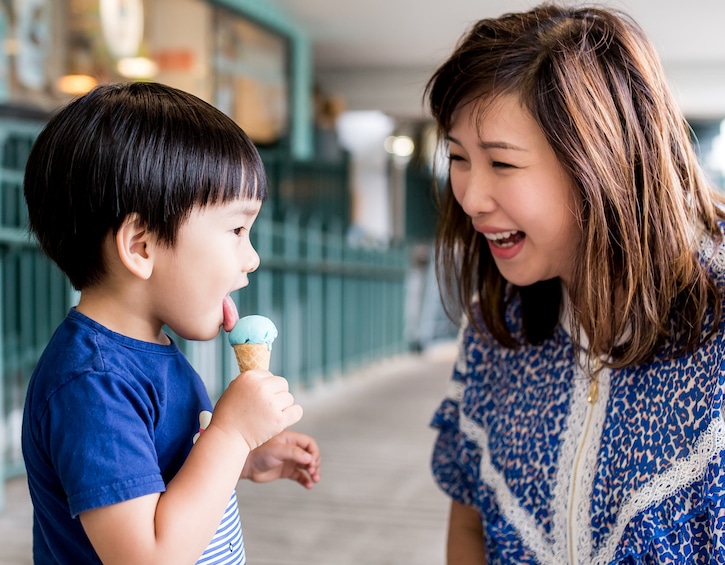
[{"x": 144, "y": 197}]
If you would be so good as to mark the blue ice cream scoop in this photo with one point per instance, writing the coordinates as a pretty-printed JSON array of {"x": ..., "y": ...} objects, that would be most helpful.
[{"x": 253, "y": 329}]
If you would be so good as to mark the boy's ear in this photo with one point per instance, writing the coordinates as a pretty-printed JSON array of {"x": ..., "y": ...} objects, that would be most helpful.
[{"x": 134, "y": 243}]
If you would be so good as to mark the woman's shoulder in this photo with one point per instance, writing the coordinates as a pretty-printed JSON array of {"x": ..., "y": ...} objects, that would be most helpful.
[
  {"x": 478, "y": 347},
  {"x": 711, "y": 250}
]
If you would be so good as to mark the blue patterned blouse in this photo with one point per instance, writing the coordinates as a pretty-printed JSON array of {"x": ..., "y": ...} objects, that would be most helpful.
[{"x": 636, "y": 477}]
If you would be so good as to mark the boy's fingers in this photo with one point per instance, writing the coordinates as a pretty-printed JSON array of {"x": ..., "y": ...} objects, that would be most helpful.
[
  {"x": 293, "y": 413},
  {"x": 300, "y": 456}
]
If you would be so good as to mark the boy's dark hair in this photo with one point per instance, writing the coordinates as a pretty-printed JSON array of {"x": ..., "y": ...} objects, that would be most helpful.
[{"x": 136, "y": 148}]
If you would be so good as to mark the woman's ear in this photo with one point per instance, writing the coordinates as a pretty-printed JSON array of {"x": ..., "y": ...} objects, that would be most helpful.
[{"x": 134, "y": 244}]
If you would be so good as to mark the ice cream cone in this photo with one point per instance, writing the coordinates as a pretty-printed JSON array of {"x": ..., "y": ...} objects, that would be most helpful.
[{"x": 252, "y": 356}]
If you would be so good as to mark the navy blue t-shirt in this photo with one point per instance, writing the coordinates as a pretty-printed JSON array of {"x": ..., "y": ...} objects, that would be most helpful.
[{"x": 107, "y": 418}]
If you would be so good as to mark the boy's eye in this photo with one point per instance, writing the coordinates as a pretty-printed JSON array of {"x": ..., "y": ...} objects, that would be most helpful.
[{"x": 238, "y": 231}]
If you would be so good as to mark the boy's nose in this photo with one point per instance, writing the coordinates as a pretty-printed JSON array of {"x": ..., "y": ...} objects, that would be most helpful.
[{"x": 252, "y": 261}]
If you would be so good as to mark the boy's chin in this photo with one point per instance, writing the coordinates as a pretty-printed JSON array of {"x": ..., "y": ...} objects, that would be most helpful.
[
  {"x": 198, "y": 334},
  {"x": 207, "y": 336}
]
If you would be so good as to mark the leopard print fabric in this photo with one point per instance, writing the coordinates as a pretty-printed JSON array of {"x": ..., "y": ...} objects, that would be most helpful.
[{"x": 635, "y": 478}]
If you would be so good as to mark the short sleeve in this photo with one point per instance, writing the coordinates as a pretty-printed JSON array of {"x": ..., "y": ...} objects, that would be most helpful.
[{"x": 98, "y": 431}]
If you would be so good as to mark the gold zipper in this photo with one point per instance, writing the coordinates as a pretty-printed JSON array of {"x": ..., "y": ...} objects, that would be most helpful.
[
  {"x": 595, "y": 367},
  {"x": 593, "y": 394}
]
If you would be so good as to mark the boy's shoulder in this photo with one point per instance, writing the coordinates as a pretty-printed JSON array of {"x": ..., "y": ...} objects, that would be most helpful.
[{"x": 81, "y": 346}]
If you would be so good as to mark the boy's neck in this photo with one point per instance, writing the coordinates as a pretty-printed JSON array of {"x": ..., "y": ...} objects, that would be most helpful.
[{"x": 124, "y": 317}]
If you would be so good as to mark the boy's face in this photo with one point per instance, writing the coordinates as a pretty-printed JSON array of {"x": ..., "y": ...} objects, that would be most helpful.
[{"x": 211, "y": 258}]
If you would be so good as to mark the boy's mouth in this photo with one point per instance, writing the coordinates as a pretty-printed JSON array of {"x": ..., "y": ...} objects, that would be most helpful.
[{"x": 230, "y": 313}]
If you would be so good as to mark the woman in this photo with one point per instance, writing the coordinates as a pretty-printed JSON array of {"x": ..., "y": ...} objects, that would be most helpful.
[{"x": 583, "y": 420}]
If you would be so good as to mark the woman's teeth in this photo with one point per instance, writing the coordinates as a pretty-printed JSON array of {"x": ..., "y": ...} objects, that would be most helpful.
[{"x": 504, "y": 238}]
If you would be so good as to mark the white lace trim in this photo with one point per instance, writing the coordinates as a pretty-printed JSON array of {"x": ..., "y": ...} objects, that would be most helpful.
[
  {"x": 567, "y": 455},
  {"x": 682, "y": 474},
  {"x": 708, "y": 252},
  {"x": 573, "y": 487},
  {"x": 509, "y": 506},
  {"x": 461, "y": 365},
  {"x": 455, "y": 390},
  {"x": 582, "y": 525}
]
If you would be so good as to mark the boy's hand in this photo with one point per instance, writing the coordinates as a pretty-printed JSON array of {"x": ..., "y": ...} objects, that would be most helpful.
[
  {"x": 288, "y": 455},
  {"x": 257, "y": 406}
]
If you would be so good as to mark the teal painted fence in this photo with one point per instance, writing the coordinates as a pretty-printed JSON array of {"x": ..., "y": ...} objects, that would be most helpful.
[
  {"x": 337, "y": 307},
  {"x": 33, "y": 293}
]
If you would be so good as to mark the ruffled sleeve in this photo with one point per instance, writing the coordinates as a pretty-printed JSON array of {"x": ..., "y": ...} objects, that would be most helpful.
[{"x": 448, "y": 449}]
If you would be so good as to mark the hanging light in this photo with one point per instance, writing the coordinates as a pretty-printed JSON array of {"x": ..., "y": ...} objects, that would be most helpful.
[
  {"x": 76, "y": 84},
  {"x": 399, "y": 145},
  {"x": 137, "y": 67}
]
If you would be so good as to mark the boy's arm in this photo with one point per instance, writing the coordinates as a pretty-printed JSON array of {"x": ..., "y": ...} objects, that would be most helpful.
[
  {"x": 465, "y": 536},
  {"x": 176, "y": 526}
]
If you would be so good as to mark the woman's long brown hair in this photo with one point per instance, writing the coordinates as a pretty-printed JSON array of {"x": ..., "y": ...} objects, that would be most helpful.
[{"x": 595, "y": 85}]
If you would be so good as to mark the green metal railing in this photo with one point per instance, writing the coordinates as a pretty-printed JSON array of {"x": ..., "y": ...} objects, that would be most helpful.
[
  {"x": 33, "y": 294},
  {"x": 337, "y": 307}
]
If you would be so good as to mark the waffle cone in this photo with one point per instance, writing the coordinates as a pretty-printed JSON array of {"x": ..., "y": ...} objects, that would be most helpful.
[{"x": 252, "y": 356}]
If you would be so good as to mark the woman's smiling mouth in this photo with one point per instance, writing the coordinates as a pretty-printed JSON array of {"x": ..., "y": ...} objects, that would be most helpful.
[{"x": 505, "y": 238}]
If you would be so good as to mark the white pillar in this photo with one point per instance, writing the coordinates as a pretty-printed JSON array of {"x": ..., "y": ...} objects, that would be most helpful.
[{"x": 363, "y": 134}]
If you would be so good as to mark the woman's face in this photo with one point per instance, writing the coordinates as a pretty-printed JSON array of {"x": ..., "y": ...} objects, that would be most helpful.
[{"x": 508, "y": 180}]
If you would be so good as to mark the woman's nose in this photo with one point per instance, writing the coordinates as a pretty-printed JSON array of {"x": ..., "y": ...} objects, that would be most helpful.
[{"x": 476, "y": 196}]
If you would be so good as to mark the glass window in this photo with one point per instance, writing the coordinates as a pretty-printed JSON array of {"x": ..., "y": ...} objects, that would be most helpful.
[{"x": 251, "y": 76}]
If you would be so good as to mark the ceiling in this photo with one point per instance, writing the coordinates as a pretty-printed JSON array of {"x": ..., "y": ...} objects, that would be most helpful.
[{"x": 377, "y": 54}]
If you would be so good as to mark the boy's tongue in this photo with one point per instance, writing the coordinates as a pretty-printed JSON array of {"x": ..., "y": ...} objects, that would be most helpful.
[{"x": 231, "y": 315}]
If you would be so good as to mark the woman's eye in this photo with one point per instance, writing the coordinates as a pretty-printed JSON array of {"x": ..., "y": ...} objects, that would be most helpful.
[
  {"x": 452, "y": 157},
  {"x": 500, "y": 165}
]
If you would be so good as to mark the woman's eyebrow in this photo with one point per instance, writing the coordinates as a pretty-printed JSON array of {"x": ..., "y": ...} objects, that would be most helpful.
[
  {"x": 490, "y": 144},
  {"x": 499, "y": 145}
]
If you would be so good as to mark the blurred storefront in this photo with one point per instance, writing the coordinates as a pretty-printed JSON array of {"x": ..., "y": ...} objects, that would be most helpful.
[{"x": 56, "y": 49}]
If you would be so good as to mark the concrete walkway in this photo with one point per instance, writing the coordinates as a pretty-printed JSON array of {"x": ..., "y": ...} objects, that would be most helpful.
[{"x": 376, "y": 503}]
